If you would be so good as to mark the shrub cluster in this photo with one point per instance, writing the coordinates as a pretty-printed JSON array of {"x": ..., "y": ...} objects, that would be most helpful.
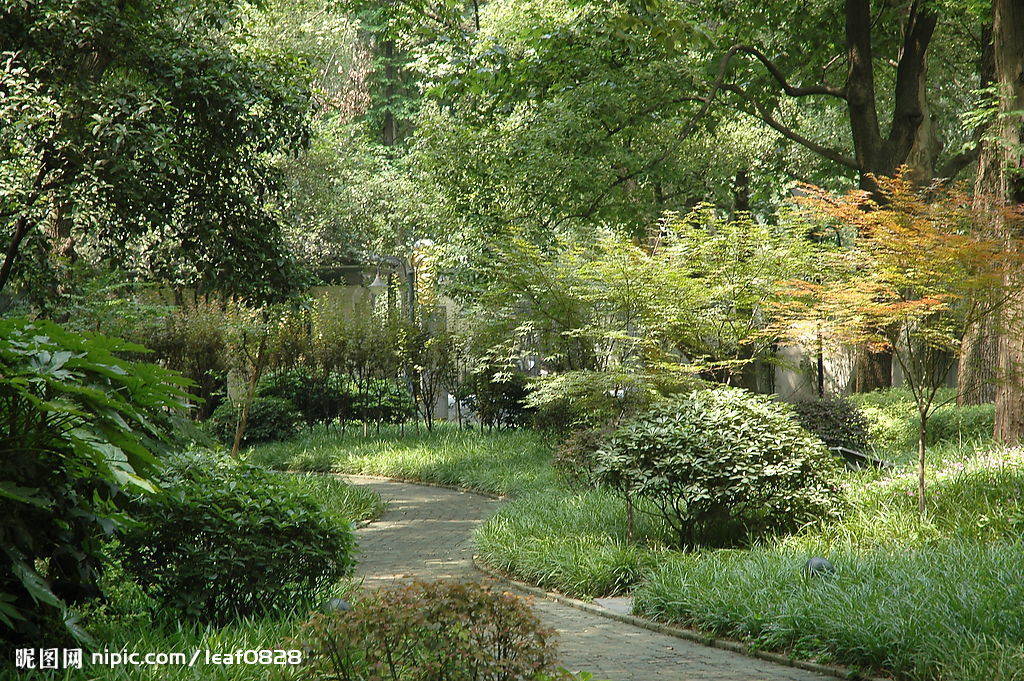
[
  {"x": 79, "y": 425},
  {"x": 723, "y": 466},
  {"x": 430, "y": 631},
  {"x": 575, "y": 459},
  {"x": 270, "y": 419},
  {"x": 323, "y": 397},
  {"x": 835, "y": 420},
  {"x": 227, "y": 539},
  {"x": 498, "y": 403}
]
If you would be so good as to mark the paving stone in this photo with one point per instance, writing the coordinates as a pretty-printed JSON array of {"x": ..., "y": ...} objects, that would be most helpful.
[{"x": 426, "y": 533}]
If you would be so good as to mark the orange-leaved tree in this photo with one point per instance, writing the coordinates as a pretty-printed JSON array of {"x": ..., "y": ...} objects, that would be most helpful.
[{"x": 913, "y": 272}]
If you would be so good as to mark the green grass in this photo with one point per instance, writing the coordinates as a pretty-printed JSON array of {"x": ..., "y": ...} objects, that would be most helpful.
[
  {"x": 930, "y": 599},
  {"x": 893, "y": 423},
  {"x": 573, "y": 542},
  {"x": 927, "y": 613},
  {"x": 501, "y": 462},
  {"x": 344, "y": 503}
]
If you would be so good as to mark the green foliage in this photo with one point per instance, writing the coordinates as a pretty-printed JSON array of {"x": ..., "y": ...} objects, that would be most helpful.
[
  {"x": 343, "y": 502},
  {"x": 498, "y": 398},
  {"x": 893, "y": 420},
  {"x": 575, "y": 458},
  {"x": 193, "y": 340},
  {"x": 226, "y": 539},
  {"x": 496, "y": 461},
  {"x": 318, "y": 397},
  {"x": 693, "y": 298},
  {"x": 78, "y": 425},
  {"x": 154, "y": 152},
  {"x": 835, "y": 420},
  {"x": 954, "y": 423},
  {"x": 573, "y": 542},
  {"x": 723, "y": 467},
  {"x": 964, "y": 624},
  {"x": 426, "y": 631},
  {"x": 590, "y": 399},
  {"x": 270, "y": 419}
]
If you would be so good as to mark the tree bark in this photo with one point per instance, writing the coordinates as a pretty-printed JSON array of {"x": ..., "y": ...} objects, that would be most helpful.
[
  {"x": 911, "y": 140},
  {"x": 979, "y": 348},
  {"x": 1008, "y": 43}
]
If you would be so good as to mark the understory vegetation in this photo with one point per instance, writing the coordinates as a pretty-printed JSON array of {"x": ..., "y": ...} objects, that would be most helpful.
[
  {"x": 576, "y": 253},
  {"x": 921, "y": 598}
]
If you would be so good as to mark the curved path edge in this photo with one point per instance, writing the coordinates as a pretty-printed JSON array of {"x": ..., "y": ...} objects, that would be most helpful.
[
  {"x": 678, "y": 632},
  {"x": 475, "y": 564}
]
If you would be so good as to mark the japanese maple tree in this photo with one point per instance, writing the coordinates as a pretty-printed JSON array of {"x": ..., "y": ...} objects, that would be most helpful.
[{"x": 916, "y": 268}]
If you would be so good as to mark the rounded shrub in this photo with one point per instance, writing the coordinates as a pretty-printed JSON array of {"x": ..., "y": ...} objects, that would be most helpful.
[
  {"x": 270, "y": 418},
  {"x": 427, "y": 631},
  {"x": 724, "y": 467},
  {"x": 835, "y": 420},
  {"x": 320, "y": 397},
  {"x": 225, "y": 539}
]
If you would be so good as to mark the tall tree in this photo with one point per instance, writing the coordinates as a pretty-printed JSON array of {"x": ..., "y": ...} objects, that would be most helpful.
[
  {"x": 1008, "y": 44},
  {"x": 886, "y": 48},
  {"x": 144, "y": 142}
]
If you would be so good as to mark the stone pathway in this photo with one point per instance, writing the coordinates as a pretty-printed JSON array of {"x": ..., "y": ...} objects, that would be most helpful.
[{"x": 426, "y": 533}]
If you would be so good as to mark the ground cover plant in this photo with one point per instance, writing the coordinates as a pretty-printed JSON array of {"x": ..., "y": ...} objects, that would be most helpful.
[
  {"x": 509, "y": 462},
  {"x": 893, "y": 430},
  {"x": 930, "y": 593}
]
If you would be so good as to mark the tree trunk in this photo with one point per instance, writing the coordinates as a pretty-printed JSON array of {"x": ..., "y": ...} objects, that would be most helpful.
[
  {"x": 741, "y": 192},
  {"x": 976, "y": 375},
  {"x": 911, "y": 140},
  {"x": 243, "y": 422},
  {"x": 1008, "y": 43},
  {"x": 872, "y": 371},
  {"x": 922, "y": 439},
  {"x": 979, "y": 348}
]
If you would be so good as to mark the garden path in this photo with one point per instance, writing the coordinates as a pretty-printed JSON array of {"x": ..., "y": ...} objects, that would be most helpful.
[{"x": 426, "y": 533}]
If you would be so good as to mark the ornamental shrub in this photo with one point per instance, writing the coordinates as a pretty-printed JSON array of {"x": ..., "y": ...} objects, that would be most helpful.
[
  {"x": 270, "y": 419},
  {"x": 499, "y": 400},
  {"x": 430, "y": 631},
  {"x": 835, "y": 420},
  {"x": 78, "y": 425},
  {"x": 574, "y": 400},
  {"x": 724, "y": 467},
  {"x": 320, "y": 397},
  {"x": 228, "y": 539}
]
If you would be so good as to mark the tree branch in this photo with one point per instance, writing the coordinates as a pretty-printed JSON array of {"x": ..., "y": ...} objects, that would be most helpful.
[
  {"x": 21, "y": 226},
  {"x": 762, "y": 113},
  {"x": 790, "y": 90},
  {"x": 951, "y": 168}
]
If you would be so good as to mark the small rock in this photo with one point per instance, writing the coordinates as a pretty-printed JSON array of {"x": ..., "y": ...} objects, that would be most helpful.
[
  {"x": 819, "y": 567},
  {"x": 336, "y": 605}
]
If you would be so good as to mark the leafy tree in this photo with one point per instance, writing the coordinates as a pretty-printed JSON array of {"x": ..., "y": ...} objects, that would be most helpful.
[
  {"x": 139, "y": 137},
  {"x": 918, "y": 273},
  {"x": 693, "y": 298}
]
